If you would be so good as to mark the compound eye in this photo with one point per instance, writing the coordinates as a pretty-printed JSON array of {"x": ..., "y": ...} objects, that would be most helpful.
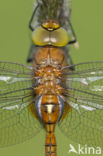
[
  {"x": 40, "y": 36},
  {"x": 59, "y": 37}
]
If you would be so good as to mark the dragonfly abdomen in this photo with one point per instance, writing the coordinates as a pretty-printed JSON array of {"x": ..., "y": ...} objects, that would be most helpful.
[
  {"x": 50, "y": 112},
  {"x": 50, "y": 143}
]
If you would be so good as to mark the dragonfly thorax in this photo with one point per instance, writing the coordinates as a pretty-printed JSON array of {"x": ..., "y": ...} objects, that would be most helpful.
[{"x": 48, "y": 81}]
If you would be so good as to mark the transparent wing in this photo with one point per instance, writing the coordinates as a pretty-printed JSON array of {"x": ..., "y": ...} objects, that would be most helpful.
[
  {"x": 17, "y": 124},
  {"x": 84, "y": 93}
]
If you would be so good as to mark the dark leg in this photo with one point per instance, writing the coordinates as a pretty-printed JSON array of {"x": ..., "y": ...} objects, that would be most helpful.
[
  {"x": 73, "y": 34},
  {"x": 68, "y": 58},
  {"x": 31, "y": 53},
  {"x": 30, "y": 22}
]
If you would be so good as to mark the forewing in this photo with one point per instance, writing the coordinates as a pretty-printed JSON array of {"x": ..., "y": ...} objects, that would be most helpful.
[
  {"x": 84, "y": 93},
  {"x": 17, "y": 124}
]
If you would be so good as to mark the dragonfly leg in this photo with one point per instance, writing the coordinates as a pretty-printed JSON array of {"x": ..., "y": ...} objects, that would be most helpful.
[
  {"x": 30, "y": 22},
  {"x": 68, "y": 58},
  {"x": 74, "y": 40},
  {"x": 31, "y": 53}
]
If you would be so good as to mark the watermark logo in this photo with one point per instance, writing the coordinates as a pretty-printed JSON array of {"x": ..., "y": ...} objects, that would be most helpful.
[{"x": 84, "y": 150}]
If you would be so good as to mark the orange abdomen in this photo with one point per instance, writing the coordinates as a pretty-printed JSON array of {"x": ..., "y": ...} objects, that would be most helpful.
[{"x": 48, "y": 62}]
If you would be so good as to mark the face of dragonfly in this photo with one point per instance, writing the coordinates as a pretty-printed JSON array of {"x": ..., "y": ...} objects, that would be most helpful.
[{"x": 83, "y": 93}]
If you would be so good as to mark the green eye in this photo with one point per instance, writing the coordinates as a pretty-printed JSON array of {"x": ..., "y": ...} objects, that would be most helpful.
[
  {"x": 59, "y": 37},
  {"x": 42, "y": 37}
]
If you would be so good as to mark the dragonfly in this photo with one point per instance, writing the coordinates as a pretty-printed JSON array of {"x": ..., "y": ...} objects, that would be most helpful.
[{"x": 52, "y": 91}]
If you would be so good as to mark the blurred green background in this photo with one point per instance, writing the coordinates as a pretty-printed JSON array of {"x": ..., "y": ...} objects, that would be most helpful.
[{"x": 87, "y": 20}]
